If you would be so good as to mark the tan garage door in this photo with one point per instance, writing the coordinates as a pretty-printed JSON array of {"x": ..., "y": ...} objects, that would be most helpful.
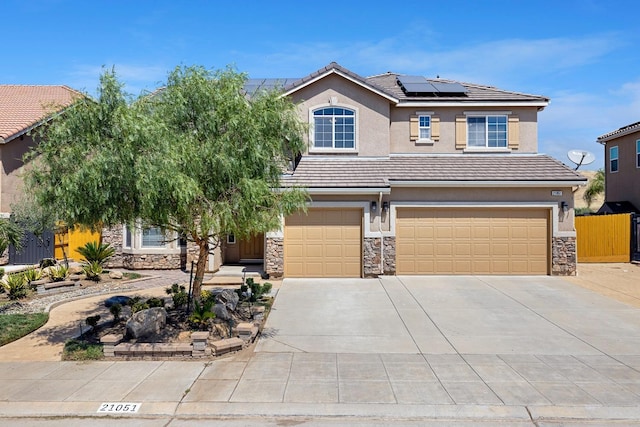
[
  {"x": 323, "y": 243},
  {"x": 472, "y": 241}
]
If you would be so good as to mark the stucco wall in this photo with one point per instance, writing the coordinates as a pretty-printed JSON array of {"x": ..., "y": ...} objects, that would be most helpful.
[
  {"x": 11, "y": 187},
  {"x": 400, "y": 137},
  {"x": 372, "y": 127},
  {"x": 619, "y": 185}
]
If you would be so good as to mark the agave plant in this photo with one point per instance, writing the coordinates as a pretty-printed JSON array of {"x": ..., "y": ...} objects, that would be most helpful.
[
  {"x": 16, "y": 286},
  {"x": 58, "y": 273},
  {"x": 92, "y": 270},
  {"x": 96, "y": 252},
  {"x": 32, "y": 274}
]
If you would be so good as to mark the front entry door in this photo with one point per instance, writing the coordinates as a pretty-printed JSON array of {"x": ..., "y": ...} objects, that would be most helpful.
[{"x": 252, "y": 248}]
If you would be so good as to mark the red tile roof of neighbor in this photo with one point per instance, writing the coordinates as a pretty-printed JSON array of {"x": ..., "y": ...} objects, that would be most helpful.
[{"x": 23, "y": 107}]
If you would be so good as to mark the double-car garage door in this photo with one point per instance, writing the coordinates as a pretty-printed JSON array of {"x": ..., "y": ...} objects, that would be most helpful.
[
  {"x": 328, "y": 242},
  {"x": 472, "y": 241}
]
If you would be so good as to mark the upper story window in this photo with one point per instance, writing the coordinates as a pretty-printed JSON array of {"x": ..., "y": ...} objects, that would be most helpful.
[
  {"x": 613, "y": 159},
  {"x": 334, "y": 128},
  {"x": 638, "y": 153},
  {"x": 487, "y": 131},
  {"x": 424, "y": 127}
]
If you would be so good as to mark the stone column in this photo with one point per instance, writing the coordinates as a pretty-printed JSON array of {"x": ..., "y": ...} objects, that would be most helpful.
[
  {"x": 274, "y": 257},
  {"x": 389, "y": 247},
  {"x": 371, "y": 257},
  {"x": 564, "y": 258}
]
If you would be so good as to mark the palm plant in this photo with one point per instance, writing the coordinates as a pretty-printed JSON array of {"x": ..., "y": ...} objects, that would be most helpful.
[
  {"x": 96, "y": 252},
  {"x": 202, "y": 314},
  {"x": 595, "y": 187}
]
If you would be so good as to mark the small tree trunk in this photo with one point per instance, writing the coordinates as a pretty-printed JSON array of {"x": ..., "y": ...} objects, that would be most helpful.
[{"x": 201, "y": 265}]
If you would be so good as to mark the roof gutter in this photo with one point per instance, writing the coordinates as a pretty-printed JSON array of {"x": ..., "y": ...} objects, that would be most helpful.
[
  {"x": 476, "y": 184},
  {"x": 346, "y": 190},
  {"x": 539, "y": 104}
]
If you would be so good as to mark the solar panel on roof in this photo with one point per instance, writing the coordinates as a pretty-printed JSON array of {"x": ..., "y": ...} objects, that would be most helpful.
[
  {"x": 415, "y": 84},
  {"x": 449, "y": 87}
]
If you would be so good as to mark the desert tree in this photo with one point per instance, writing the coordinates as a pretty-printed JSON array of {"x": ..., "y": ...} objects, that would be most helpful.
[{"x": 199, "y": 158}]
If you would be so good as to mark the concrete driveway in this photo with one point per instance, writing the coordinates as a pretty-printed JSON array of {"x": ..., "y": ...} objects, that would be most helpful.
[{"x": 474, "y": 315}]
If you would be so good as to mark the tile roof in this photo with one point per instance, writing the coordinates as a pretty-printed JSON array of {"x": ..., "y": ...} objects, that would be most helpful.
[
  {"x": 332, "y": 172},
  {"x": 475, "y": 92},
  {"x": 624, "y": 130},
  {"x": 22, "y": 107},
  {"x": 387, "y": 84}
]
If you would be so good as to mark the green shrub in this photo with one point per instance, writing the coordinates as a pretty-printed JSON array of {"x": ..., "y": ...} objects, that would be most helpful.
[
  {"x": 257, "y": 290},
  {"x": 96, "y": 252},
  {"x": 1, "y": 271},
  {"x": 92, "y": 321},
  {"x": 115, "y": 310},
  {"x": 155, "y": 302},
  {"x": 16, "y": 286},
  {"x": 92, "y": 270},
  {"x": 178, "y": 294},
  {"x": 80, "y": 350},
  {"x": 58, "y": 273},
  {"x": 139, "y": 306}
]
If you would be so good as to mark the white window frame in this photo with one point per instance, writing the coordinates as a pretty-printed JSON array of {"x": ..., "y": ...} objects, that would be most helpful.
[
  {"x": 162, "y": 244},
  {"x": 333, "y": 149},
  {"x": 426, "y": 128},
  {"x": 170, "y": 246},
  {"x": 231, "y": 239},
  {"x": 612, "y": 159},
  {"x": 127, "y": 234},
  {"x": 638, "y": 154},
  {"x": 486, "y": 116}
]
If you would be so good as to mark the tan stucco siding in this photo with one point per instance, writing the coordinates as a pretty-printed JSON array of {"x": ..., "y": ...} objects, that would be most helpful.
[
  {"x": 11, "y": 186},
  {"x": 400, "y": 129},
  {"x": 623, "y": 185},
  {"x": 372, "y": 126}
]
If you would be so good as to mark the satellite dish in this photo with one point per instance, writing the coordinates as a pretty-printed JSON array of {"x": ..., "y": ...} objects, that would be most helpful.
[{"x": 580, "y": 157}]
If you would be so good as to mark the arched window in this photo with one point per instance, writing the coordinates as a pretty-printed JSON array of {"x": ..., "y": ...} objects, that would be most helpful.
[{"x": 334, "y": 127}]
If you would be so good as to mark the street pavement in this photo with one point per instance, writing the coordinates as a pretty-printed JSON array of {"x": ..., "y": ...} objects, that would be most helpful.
[{"x": 389, "y": 351}]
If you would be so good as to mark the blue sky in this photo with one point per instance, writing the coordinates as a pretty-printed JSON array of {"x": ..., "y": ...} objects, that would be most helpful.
[{"x": 583, "y": 54}]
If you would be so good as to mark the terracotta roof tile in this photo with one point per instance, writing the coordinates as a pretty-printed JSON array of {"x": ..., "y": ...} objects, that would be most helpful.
[
  {"x": 331, "y": 172},
  {"x": 22, "y": 107}
]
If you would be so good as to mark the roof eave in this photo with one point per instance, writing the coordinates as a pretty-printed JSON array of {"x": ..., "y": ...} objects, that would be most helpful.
[
  {"x": 422, "y": 103},
  {"x": 617, "y": 134},
  {"x": 479, "y": 183},
  {"x": 344, "y": 75}
]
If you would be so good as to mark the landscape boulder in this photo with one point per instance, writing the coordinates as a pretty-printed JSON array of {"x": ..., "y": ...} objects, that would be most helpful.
[
  {"x": 76, "y": 269},
  {"x": 146, "y": 323},
  {"x": 115, "y": 274},
  {"x": 221, "y": 311},
  {"x": 228, "y": 297}
]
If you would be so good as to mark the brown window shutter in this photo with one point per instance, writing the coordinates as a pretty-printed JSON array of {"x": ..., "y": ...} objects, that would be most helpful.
[
  {"x": 435, "y": 128},
  {"x": 413, "y": 128},
  {"x": 461, "y": 132},
  {"x": 514, "y": 132}
]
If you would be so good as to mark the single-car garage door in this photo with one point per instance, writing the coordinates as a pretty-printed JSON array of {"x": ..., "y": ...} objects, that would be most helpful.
[
  {"x": 472, "y": 241},
  {"x": 323, "y": 243}
]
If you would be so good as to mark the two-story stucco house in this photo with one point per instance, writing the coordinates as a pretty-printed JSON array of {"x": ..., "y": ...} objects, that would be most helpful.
[
  {"x": 410, "y": 175},
  {"x": 622, "y": 169}
]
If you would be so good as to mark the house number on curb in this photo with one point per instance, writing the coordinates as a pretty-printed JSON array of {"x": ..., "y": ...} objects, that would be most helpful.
[{"x": 118, "y": 408}]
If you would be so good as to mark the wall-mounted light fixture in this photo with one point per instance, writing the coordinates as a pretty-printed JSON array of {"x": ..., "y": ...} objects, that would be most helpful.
[
  {"x": 374, "y": 206},
  {"x": 564, "y": 206},
  {"x": 385, "y": 206}
]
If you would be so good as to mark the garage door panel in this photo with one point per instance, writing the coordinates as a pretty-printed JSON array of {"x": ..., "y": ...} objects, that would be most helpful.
[
  {"x": 323, "y": 243},
  {"x": 472, "y": 241}
]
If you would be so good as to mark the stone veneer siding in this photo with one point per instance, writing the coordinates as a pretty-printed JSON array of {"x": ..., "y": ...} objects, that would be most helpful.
[
  {"x": 371, "y": 257},
  {"x": 142, "y": 261},
  {"x": 564, "y": 256},
  {"x": 389, "y": 247},
  {"x": 274, "y": 257}
]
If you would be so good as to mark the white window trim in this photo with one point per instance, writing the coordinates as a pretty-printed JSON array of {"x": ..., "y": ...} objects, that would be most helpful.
[
  {"x": 171, "y": 247},
  {"x": 231, "y": 239},
  {"x": 314, "y": 149},
  {"x": 617, "y": 158},
  {"x": 486, "y": 114},
  {"x": 425, "y": 141},
  {"x": 637, "y": 154}
]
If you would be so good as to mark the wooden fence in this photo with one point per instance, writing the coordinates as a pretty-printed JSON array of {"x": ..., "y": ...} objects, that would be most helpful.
[
  {"x": 604, "y": 238},
  {"x": 71, "y": 240}
]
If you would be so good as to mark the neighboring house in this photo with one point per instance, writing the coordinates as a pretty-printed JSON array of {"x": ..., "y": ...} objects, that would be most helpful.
[
  {"x": 622, "y": 169},
  {"x": 22, "y": 109},
  {"x": 407, "y": 175}
]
